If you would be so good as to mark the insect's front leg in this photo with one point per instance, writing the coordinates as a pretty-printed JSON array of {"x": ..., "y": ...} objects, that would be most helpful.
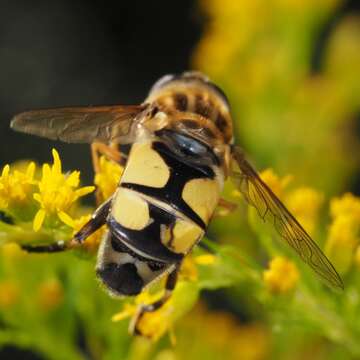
[
  {"x": 169, "y": 288},
  {"x": 97, "y": 220}
]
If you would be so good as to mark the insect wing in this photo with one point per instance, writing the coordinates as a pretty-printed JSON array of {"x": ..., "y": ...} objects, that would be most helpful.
[
  {"x": 269, "y": 207},
  {"x": 79, "y": 124}
]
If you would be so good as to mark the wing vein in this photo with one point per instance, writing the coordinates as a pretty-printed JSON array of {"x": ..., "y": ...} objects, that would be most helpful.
[{"x": 269, "y": 207}]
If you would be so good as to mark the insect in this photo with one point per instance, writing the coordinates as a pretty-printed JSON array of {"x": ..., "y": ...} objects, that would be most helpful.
[{"x": 182, "y": 151}]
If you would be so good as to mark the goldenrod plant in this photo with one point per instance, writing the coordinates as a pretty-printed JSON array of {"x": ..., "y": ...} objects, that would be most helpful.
[{"x": 296, "y": 124}]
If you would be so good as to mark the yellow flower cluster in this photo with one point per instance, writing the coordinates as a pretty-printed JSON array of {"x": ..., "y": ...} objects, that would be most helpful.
[
  {"x": 51, "y": 197},
  {"x": 50, "y": 294},
  {"x": 108, "y": 177},
  {"x": 221, "y": 333},
  {"x": 282, "y": 275},
  {"x": 275, "y": 183},
  {"x": 57, "y": 191},
  {"x": 9, "y": 293},
  {"x": 348, "y": 205},
  {"x": 257, "y": 57},
  {"x": 154, "y": 325},
  {"x": 305, "y": 203},
  {"x": 343, "y": 235},
  {"x": 16, "y": 187}
]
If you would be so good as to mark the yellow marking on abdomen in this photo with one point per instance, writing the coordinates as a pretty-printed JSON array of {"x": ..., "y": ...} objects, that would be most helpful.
[
  {"x": 202, "y": 195},
  {"x": 186, "y": 235},
  {"x": 146, "y": 167},
  {"x": 130, "y": 210}
]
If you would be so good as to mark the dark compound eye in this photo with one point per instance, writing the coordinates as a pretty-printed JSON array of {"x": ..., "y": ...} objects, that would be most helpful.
[{"x": 189, "y": 146}]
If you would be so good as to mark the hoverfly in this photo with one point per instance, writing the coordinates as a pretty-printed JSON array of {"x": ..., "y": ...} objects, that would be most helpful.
[{"x": 182, "y": 151}]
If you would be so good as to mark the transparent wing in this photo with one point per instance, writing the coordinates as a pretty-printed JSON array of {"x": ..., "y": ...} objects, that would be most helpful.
[
  {"x": 269, "y": 207},
  {"x": 79, "y": 124}
]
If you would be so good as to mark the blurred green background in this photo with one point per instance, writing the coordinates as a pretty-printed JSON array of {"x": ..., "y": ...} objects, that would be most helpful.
[{"x": 291, "y": 70}]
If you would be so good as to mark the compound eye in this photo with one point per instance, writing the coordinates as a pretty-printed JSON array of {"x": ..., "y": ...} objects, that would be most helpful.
[{"x": 189, "y": 146}]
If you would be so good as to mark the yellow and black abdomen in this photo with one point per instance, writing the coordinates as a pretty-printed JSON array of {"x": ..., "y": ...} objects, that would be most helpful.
[{"x": 165, "y": 200}]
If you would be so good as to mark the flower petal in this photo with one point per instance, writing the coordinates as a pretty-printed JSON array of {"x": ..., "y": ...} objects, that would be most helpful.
[
  {"x": 66, "y": 219},
  {"x": 39, "y": 219},
  {"x": 30, "y": 171},
  {"x": 206, "y": 259},
  {"x": 129, "y": 310},
  {"x": 57, "y": 162},
  {"x": 5, "y": 171},
  {"x": 37, "y": 197},
  {"x": 84, "y": 191},
  {"x": 73, "y": 179}
]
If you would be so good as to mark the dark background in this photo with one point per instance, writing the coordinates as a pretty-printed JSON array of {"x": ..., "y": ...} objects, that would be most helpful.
[{"x": 62, "y": 53}]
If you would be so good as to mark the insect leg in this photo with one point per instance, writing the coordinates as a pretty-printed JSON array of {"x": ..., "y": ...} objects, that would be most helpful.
[
  {"x": 225, "y": 208},
  {"x": 169, "y": 287},
  {"x": 97, "y": 149},
  {"x": 97, "y": 220},
  {"x": 51, "y": 248}
]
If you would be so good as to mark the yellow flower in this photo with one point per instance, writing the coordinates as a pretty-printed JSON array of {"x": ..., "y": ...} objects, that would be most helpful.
[
  {"x": 348, "y": 204},
  {"x": 343, "y": 234},
  {"x": 50, "y": 294},
  {"x": 282, "y": 275},
  {"x": 154, "y": 325},
  {"x": 166, "y": 354},
  {"x": 16, "y": 187},
  {"x": 305, "y": 203},
  {"x": 275, "y": 183},
  {"x": 57, "y": 191},
  {"x": 189, "y": 270},
  {"x": 9, "y": 293},
  {"x": 108, "y": 177},
  {"x": 343, "y": 237},
  {"x": 206, "y": 259},
  {"x": 12, "y": 251},
  {"x": 357, "y": 256},
  {"x": 252, "y": 342},
  {"x": 221, "y": 333}
]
